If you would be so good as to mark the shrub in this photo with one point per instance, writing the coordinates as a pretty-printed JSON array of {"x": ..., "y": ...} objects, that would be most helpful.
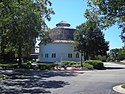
[
  {"x": 29, "y": 64},
  {"x": 101, "y": 58},
  {"x": 7, "y": 66},
  {"x": 71, "y": 63},
  {"x": 23, "y": 66},
  {"x": 87, "y": 66},
  {"x": 96, "y": 64},
  {"x": 11, "y": 66},
  {"x": 44, "y": 66}
]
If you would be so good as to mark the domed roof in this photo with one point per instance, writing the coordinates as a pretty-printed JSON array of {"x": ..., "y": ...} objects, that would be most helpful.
[
  {"x": 63, "y": 24},
  {"x": 62, "y": 32}
]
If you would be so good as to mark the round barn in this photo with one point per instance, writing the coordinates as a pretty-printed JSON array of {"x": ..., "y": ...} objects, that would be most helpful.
[{"x": 61, "y": 46}]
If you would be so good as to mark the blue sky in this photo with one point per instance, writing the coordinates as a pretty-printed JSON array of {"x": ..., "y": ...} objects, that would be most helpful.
[{"x": 72, "y": 11}]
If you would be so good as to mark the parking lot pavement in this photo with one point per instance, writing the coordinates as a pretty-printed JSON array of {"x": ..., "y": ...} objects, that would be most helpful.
[
  {"x": 93, "y": 82},
  {"x": 63, "y": 82},
  {"x": 114, "y": 65}
]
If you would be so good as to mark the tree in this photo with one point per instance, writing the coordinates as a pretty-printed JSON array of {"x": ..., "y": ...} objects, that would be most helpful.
[
  {"x": 26, "y": 19},
  {"x": 107, "y": 12},
  {"x": 44, "y": 38},
  {"x": 121, "y": 53},
  {"x": 114, "y": 53},
  {"x": 5, "y": 18},
  {"x": 90, "y": 40},
  {"x": 117, "y": 54}
]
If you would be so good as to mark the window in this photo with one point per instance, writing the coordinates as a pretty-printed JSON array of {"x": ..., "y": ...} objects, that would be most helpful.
[
  {"x": 77, "y": 55},
  {"x": 46, "y": 55},
  {"x": 41, "y": 55},
  {"x": 53, "y": 55},
  {"x": 70, "y": 55}
]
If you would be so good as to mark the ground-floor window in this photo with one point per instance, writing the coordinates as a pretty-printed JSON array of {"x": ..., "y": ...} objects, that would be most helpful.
[
  {"x": 69, "y": 55},
  {"x": 46, "y": 55},
  {"x": 77, "y": 55},
  {"x": 53, "y": 55},
  {"x": 41, "y": 55}
]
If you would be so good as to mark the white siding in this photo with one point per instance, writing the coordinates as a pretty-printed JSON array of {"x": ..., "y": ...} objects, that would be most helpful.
[{"x": 60, "y": 49}]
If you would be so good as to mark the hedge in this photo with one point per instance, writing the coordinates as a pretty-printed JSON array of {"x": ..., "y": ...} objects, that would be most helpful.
[
  {"x": 28, "y": 65},
  {"x": 96, "y": 64},
  {"x": 88, "y": 66},
  {"x": 44, "y": 66},
  {"x": 71, "y": 63},
  {"x": 6, "y": 66}
]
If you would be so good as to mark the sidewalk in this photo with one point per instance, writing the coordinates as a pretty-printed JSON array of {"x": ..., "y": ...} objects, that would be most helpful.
[{"x": 119, "y": 89}]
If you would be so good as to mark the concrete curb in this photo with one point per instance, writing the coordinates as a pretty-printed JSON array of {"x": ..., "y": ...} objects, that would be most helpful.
[{"x": 119, "y": 89}]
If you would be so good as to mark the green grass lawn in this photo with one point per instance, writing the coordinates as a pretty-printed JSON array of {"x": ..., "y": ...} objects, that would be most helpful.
[{"x": 123, "y": 86}]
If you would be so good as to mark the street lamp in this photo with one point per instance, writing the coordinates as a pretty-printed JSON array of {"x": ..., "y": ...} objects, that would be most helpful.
[
  {"x": 82, "y": 55},
  {"x": 83, "y": 36},
  {"x": 81, "y": 60}
]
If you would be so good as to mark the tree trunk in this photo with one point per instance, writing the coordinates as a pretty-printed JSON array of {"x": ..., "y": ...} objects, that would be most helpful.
[
  {"x": 86, "y": 56},
  {"x": 2, "y": 47}
]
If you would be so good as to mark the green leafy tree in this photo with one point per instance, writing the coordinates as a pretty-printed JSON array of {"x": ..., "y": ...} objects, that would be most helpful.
[
  {"x": 121, "y": 54},
  {"x": 117, "y": 53},
  {"x": 44, "y": 38},
  {"x": 90, "y": 40},
  {"x": 26, "y": 19},
  {"x": 5, "y": 18},
  {"x": 114, "y": 53},
  {"x": 107, "y": 12}
]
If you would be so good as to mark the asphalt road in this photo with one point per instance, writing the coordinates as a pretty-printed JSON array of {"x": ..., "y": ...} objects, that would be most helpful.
[
  {"x": 63, "y": 82},
  {"x": 90, "y": 82}
]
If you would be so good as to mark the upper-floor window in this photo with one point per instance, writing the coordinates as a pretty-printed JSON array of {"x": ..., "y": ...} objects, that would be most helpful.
[
  {"x": 69, "y": 55},
  {"x": 53, "y": 55},
  {"x": 46, "y": 55}
]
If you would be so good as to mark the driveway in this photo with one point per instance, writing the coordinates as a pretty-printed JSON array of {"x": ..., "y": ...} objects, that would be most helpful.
[
  {"x": 63, "y": 82},
  {"x": 114, "y": 65},
  {"x": 93, "y": 82}
]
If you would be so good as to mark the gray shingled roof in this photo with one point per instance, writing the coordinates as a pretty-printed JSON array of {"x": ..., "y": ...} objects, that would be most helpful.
[{"x": 62, "y": 32}]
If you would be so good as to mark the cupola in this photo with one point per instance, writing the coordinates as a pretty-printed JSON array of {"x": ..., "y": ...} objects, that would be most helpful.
[{"x": 63, "y": 24}]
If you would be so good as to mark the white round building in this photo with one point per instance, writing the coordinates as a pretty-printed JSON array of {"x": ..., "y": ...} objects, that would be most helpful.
[{"x": 62, "y": 46}]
